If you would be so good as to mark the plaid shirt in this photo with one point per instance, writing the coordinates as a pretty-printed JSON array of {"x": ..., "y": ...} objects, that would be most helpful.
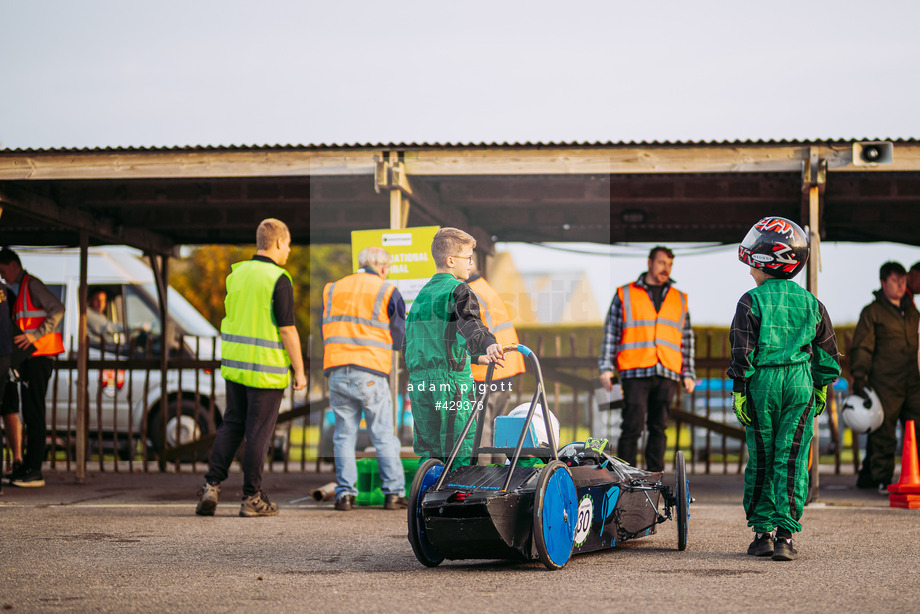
[{"x": 613, "y": 334}]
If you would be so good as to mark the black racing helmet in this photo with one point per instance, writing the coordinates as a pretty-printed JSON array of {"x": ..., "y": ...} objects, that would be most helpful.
[{"x": 777, "y": 245}]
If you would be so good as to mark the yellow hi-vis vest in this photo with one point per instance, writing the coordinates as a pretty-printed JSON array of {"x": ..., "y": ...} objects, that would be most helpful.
[
  {"x": 650, "y": 337},
  {"x": 494, "y": 313},
  {"x": 250, "y": 343},
  {"x": 356, "y": 325}
]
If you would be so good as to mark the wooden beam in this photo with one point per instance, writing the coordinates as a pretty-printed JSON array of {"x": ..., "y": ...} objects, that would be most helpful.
[
  {"x": 160, "y": 164},
  {"x": 645, "y": 159},
  {"x": 444, "y": 161},
  {"x": 55, "y": 216}
]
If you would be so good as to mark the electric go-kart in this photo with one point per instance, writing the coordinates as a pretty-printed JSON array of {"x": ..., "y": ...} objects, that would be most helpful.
[{"x": 578, "y": 499}]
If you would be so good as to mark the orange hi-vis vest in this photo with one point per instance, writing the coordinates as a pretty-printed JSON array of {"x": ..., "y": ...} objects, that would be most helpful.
[
  {"x": 356, "y": 325},
  {"x": 650, "y": 337},
  {"x": 29, "y": 317},
  {"x": 494, "y": 314}
]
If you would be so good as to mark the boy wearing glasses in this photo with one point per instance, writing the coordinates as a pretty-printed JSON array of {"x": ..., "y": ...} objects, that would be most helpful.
[{"x": 443, "y": 333}]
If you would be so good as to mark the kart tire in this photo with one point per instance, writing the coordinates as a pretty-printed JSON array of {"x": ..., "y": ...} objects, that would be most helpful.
[
  {"x": 555, "y": 514},
  {"x": 425, "y": 478},
  {"x": 682, "y": 495}
]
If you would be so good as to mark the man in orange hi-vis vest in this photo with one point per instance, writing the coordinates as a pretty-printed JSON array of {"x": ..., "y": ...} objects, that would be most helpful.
[
  {"x": 494, "y": 313},
  {"x": 38, "y": 313},
  {"x": 364, "y": 320},
  {"x": 649, "y": 342}
]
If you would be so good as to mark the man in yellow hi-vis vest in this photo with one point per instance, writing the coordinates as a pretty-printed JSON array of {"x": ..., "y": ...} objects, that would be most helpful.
[
  {"x": 648, "y": 334},
  {"x": 259, "y": 348},
  {"x": 494, "y": 313}
]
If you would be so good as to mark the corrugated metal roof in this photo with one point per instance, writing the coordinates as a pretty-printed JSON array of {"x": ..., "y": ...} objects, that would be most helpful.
[{"x": 466, "y": 145}]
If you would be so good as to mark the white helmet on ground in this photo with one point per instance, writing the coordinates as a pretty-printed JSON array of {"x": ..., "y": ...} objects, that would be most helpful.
[
  {"x": 539, "y": 424},
  {"x": 861, "y": 415}
]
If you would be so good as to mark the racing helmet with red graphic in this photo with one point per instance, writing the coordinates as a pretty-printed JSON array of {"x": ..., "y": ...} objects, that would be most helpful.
[{"x": 777, "y": 245}]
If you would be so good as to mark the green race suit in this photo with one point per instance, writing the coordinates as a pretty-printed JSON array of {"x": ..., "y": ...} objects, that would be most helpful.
[
  {"x": 442, "y": 330},
  {"x": 250, "y": 343},
  {"x": 783, "y": 346}
]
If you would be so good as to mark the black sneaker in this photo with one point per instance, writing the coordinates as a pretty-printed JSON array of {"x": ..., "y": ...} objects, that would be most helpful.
[
  {"x": 17, "y": 469},
  {"x": 883, "y": 489},
  {"x": 395, "y": 502},
  {"x": 783, "y": 550},
  {"x": 762, "y": 545},
  {"x": 345, "y": 503},
  {"x": 29, "y": 479}
]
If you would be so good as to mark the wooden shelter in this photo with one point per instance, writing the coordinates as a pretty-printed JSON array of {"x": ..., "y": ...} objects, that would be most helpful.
[{"x": 156, "y": 199}]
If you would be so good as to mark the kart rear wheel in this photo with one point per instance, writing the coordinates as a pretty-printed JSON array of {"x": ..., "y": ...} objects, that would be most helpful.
[
  {"x": 682, "y": 494},
  {"x": 426, "y": 477},
  {"x": 555, "y": 513}
]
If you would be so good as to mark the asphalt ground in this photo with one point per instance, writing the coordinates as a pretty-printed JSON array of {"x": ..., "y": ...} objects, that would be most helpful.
[{"x": 132, "y": 543}]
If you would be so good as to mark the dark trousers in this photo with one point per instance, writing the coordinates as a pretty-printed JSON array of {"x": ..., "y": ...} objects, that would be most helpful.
[
  {"x": 34, "y": 375},
  {"x": 250, "y": 413},
  {"x": 646, "y": 400}
]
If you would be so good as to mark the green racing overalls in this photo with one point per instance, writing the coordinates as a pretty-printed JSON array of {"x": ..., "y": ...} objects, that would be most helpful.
[
  {"x": 783, "y": 346},
  {"x": 442, "y": 330}
]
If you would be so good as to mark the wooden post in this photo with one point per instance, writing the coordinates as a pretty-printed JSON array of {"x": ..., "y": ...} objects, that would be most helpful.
[
  {"x": 160, "y": 264},
  {"x": 399, "y": 216},
  {"x": 82, "y": 370},
  {"x": 814, "y": 180}
]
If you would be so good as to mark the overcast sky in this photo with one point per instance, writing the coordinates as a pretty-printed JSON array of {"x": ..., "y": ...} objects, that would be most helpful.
[
  {"x": 130, "y": 73},
  {"x": 123, "y": 73}
]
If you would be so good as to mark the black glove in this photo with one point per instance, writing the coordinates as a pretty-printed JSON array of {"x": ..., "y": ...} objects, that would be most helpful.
[{"x": 859, "y": 387}]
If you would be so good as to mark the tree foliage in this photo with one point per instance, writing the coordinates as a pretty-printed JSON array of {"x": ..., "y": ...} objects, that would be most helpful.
[{"x": 201, "y": 277}]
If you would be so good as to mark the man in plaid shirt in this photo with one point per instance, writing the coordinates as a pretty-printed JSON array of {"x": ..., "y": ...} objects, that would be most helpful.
[{"x": 648, "y": 340}]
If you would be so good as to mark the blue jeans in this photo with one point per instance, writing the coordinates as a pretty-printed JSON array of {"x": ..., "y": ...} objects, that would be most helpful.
[{"x": 351, "y": 393}]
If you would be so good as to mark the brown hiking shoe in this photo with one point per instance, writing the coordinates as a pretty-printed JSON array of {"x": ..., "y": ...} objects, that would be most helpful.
[
  {"x": 258, "y": 505},
  {"x": 207, "y": 499},
  {"x": 395, "y": 502}
]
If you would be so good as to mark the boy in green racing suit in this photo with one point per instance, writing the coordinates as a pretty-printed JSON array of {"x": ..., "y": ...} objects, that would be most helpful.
[
  {"x": 443, "y": 329},
  {"x": 783, "y": 356}
]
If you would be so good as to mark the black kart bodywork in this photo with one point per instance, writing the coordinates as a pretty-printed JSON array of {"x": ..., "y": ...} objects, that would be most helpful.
[{"x": 581, "y": 500}]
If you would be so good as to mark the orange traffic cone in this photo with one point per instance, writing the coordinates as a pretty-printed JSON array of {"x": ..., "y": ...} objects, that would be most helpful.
[{"x": 906, "y": 493}]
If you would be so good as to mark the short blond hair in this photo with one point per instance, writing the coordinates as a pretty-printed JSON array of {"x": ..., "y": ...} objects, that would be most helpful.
[
  {"x": 269, "y": 231},
  {"x": 374, "y": 257},
  {"x": 449, "y": 241}
]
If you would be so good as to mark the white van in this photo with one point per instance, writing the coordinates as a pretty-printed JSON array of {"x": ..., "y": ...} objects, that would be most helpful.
[{"x": 124, "y": 404}]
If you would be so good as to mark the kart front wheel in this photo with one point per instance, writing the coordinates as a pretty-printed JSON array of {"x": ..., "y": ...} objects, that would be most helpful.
[
  {"x": 555, "y": 513},
  {"x": 426, "y": 477},
  {"x": 682, "y": 494}
]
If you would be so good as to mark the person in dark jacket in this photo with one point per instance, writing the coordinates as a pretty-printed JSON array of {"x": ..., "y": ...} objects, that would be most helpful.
[
  {"x": 6, "y": 350},
  {"x": 883, "y": 357},
  {"x": 38, "y": 313},
  {"x": 913, "y": 279}
]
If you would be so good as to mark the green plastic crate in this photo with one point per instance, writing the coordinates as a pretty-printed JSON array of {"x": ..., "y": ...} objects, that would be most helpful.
[{"x": 370, "y": 486}]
